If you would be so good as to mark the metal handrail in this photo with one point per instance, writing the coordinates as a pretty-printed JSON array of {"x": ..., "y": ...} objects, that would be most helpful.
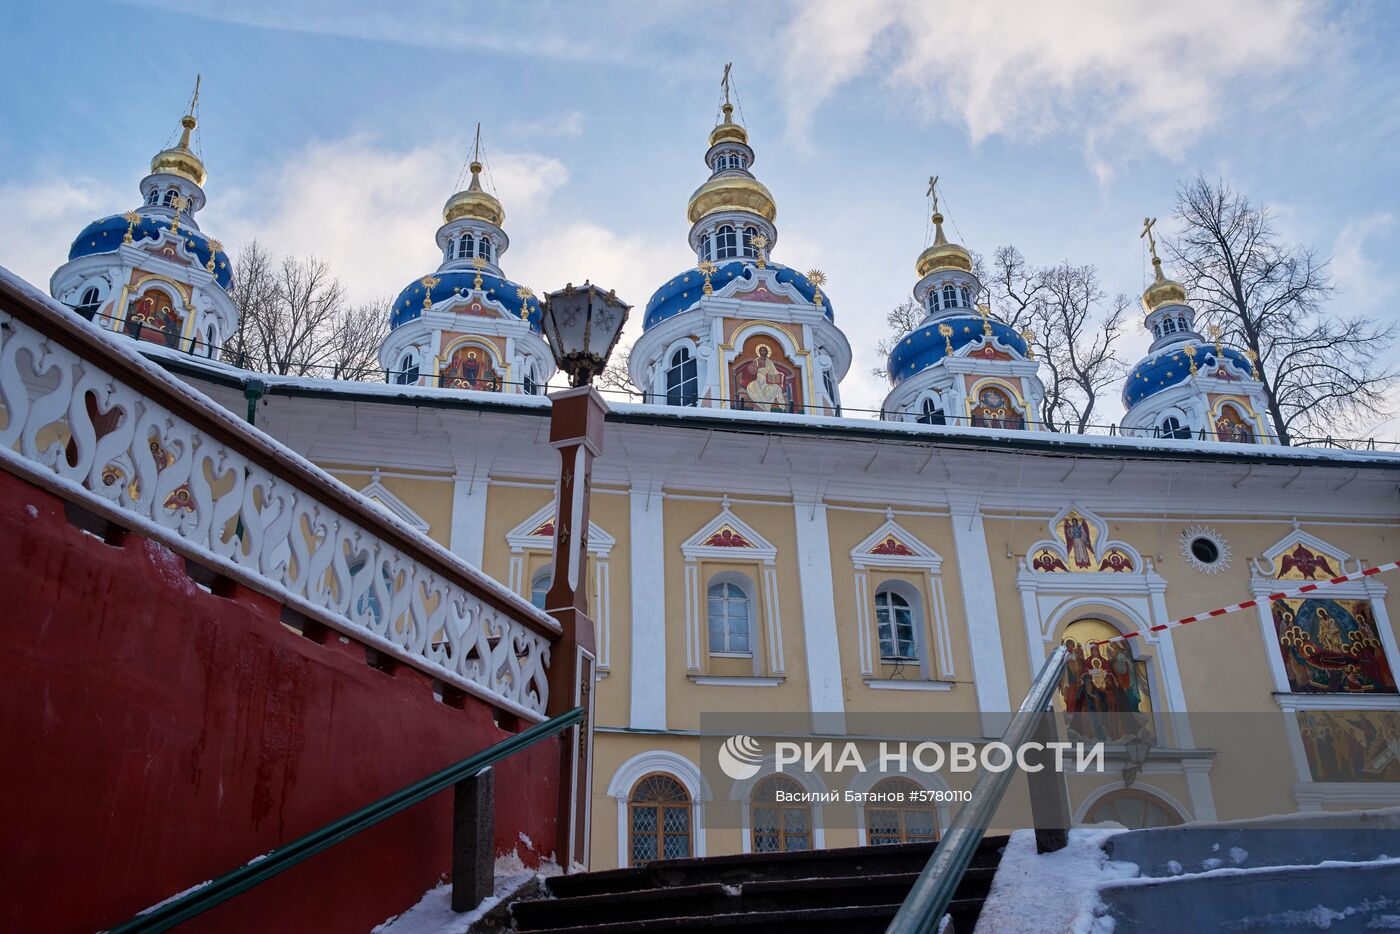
[
  {"x": 932, "y": 893},
  {"x": 184, "y": 907}
]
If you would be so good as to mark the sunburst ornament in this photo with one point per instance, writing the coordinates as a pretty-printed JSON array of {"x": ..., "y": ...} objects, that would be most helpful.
[
  {"x": 707, "y": 269},
  {"x": 479, "y": 263},
  {"x": 1205, "y": 549},
  {"x": 132, "y": 219},
  {"x": 761, "y": 242},
  {"x": 215, "y": 247},
  {"x": 428, "y": 283},
  {"x": 524, "y": 293},
  {"x": 817, "y": 279}
]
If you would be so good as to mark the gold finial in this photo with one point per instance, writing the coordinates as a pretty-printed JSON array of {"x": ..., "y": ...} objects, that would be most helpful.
[
  {"x": 724, "y": 80},
  {"x": 524, "y": 293},
  {"x": 933, "y": 191},
  {"x": 214, "y": 247},
  {"x": 817, "y": 278},
  {"x": 985, "y": 311},
  {"x": 428, "y": 283},
  {"x": 479, "y": 263},
  {"x": 761, "y": 241},
  {"x": 707, "y": 269},
  {"x": 188, "y": 121},
  {"x": 1253, "y": 356},
  {"x": 947, "y": 333},
  {"x": 1214, "y": 332},
  {"x": 1028, "y": 335},
  {"x": 1190, "y": 351},
  {"x": 1147, "y": 224},
  {"x": 179, "y": 203},
  {"x": 132, "y": 219},
  {"x": 476, "y": 162}
]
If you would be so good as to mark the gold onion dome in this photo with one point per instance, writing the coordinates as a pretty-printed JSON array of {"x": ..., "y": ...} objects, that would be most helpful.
[
  {"x": 180, "y": 159},
  {"x": 728, "y": 131},
  {"x": 733, "y": 192},
  {"x": 1162, "y": 291},
  {"x": 474, "y": 202},
  {"x": 942, "y": 254}
]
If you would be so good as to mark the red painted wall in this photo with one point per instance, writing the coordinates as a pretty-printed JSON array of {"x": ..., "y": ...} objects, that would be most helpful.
[{"x": 156, "y": 735}]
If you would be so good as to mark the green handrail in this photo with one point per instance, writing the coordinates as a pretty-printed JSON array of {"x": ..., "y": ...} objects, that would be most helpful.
[
  {"x": 932, "y": 893},
  {"x": 184, "y": 907}
]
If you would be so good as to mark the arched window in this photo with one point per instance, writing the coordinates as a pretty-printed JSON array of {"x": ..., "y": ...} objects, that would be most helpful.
[
  {"x": 729, "y": 612},
  {"x": 963, "y": 298},
  {"x": 153, "y": 196},
  {"x": 902, "y": 818},
  {"x": 1181, "y": 323},
  {"x": 408, "y": 371},
  {"x": 1167, "y": 326},
  {"x": 170, "y": 195},
  {"x": 894, "y": 620},
  {"x": 780, "y": 826},
  {"x": 950, "y": 296},
  {"x": 1172, "y": 428},
  {"x": 726, "y": 243},
  {"x": 1136, "y": 810},
  {"x": 930, "y": 413},
  {"x": 532, "y": 386},
  {"x": 658, "y": 812},
  {"x": 89, "y": 303},
  {"x": 451, "y": 250},
  {"x": 682, "y": 379},
  {"x": 829, "y": 382},
  {"x": 483, "y": 247},
  {"x": 749, "y": 249},
  {"x": 465, "y": 246},
  {"x": 209, "y": 339},
  {"x": 539, "y": 587}
]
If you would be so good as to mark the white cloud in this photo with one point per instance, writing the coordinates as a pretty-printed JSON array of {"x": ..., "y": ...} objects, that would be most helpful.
[
  {"x": 1365, "y": 285},
  {"x": 1121, "y": 76},
  {"x": 43, "y": 217}
]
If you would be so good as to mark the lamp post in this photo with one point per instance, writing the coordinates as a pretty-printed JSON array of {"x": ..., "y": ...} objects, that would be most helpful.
[
  {"x": 1136, "y": 749},
  {"x": 582, "y": 325}
]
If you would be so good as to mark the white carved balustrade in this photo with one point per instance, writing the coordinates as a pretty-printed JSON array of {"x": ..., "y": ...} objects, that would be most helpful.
[{"x": 88, "y": 417}]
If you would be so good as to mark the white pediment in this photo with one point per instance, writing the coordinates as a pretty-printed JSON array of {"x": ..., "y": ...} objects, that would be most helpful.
[
  {"x": 379, "y": 495},
  {"x": 1270, "y": 563},
  {"x": 537, "y": 534},
  {"x": 893, "y": 546},
  {"x": 1079, "y": 543},
  {"x": 728, "y": 537}
]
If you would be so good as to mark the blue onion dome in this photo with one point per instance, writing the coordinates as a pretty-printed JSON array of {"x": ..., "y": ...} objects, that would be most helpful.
[
  {"x": 109, "y": 233},
  {"x": 926, "y": 345},
  {"x": 446, "y": 285},
  {"x": 1172, "y": 365},
  {"x": 685, "y": 290}
]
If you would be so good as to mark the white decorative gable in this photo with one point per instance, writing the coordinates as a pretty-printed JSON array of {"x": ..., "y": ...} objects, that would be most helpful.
[
  {"x": 893, "y": 546},
  {"x": 537, "y": 534},
  {"x": 378, "y": 494},
  {"x": 727, "y": 537},
  {"x": 1079, "y": 542},
  {"x": 1315, "y": 558}
]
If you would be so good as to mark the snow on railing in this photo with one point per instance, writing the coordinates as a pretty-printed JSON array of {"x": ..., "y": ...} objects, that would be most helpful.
[{"x": 93, "y": 420}]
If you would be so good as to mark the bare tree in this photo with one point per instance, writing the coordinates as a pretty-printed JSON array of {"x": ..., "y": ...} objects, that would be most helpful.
[
  {"x": 294, "y": 320},
  {"x": 1320, "y": 372},
  {"x": 1075, "y": 334},
  {"x": 1019, "y": 287},
  {"x": 902, "y": 319},
  {"x": 615, "y": 375}
]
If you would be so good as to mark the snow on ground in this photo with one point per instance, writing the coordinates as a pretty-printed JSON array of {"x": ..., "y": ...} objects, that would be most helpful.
[
  {"x": 1052, "y": 891},
  {"x": 434, "y": 914}
]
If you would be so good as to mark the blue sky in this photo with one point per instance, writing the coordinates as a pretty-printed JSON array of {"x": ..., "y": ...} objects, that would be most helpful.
[{"x": 339, "y": 128}]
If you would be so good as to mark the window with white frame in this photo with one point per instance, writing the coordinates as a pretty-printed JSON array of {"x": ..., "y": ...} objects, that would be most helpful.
[
  {"x": 483, "y": 247},
  {"x": 539, "y": 586},
  {"x": 930, "y": 412},
  {"x": 1168, "y": 327},
  {"x": 964, "y": 299},
  {"x": 707, "y": 248},
  {"x": 466, "y": 245},
  {"x": 89, "y": 302},
  {"x": 1181, "y": 323},
  {"x": 729, "y": 614},
  {"x": 950, "y": 296},
  {"x": 153, "y": 196},
  {"x": 209, "y": 338},
  {"x": 895, "y": 625},
  {"x": 781, "y": 819},
  {"x": 1172, "y": 428},
  {"x": 726, "y": 242},
  {"x": 750, "y": 250},
  {"x": 408, "y": 371},
  {"x": 682, "y": 378},
  {"x": 829, "y": 382}
]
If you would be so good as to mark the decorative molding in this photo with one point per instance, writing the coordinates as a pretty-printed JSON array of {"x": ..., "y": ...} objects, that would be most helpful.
[
  {"x": 1293, "y": 702},
  {"x": 1193, "y": 532},
  {"x": 726, "y": 537},
  {"x": 736, "y": 681},
  {"x": 377, "y": 493},
  {"x": 536, "y": 533},
  {"x": 1051, "y": 555},
  {"x": 1267, "y": 564},
  {"x": 894, "y": 684}
]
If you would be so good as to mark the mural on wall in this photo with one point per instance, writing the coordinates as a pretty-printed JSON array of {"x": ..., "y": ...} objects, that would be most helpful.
[
  {"x": 1331, "y": 647},
  {"x": 1351, "y": 745},
  {"x": 1230, "y": 425},
  {"x": 727, "y": 537},
  {"x": 1302, "y": 563},
  {"x": 470, "y": 368},
  {"x": 153, "y": 318},
  {"x": 1104, "y": 690},
  {"x": 1078, "y": 544},
  {"x": 994, "y": 409},
  {"x": 762, "y": 378}
]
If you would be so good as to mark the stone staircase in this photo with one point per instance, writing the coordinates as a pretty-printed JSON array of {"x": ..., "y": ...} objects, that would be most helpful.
[
  {"x": 1334, "y": 872},
  {"x": 839, "y": 890}
]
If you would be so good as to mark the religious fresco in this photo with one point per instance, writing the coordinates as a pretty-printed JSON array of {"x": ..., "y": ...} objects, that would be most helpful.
[
  {"x": 1331, "y": 647},
  {"x": 727, "y": 537},
  {"x": 1077, "y": 533},
  {"x": 892, "y": 546},
  {"x": 1116, "y": 559},
  {"x": 1303, "y": 564},
  {"x": 153, "y": 318},
  {"x": 1351, "y": 745},
  {"x": 994, "y": 409},
  {"x": 1230, "y": 425},
  {"x": 470, "y": 368},
  {"x": 1104, "y": 690},
  {"x": 1046, "y": 560},
  {"x": 762, "y": 378}
]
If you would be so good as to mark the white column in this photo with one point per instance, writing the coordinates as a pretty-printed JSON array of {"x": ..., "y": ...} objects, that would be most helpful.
[
  {"x": 467, "y": 538},
  {"x": 980, "y": 610},
  {"x": 824, "y": 684},
  {"x": 648, "y": 630},
  {"x": 1198, "y": 787}
]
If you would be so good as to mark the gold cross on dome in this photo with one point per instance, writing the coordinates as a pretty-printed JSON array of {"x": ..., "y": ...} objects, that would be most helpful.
[
  {"x": 724, "y": 80},
  {"x": 933, "y": 191},
  {"x": 1147, "y": 224}
]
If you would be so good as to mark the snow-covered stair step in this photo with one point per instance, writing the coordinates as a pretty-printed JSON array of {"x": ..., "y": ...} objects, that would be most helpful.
[{"x": 1338, "y": 897}]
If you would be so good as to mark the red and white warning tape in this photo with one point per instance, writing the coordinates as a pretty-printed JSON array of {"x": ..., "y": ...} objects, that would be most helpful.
[{"x": 1281, "y": 595}]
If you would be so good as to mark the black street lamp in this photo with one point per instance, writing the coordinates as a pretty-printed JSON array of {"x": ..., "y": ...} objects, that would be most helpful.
[{"x": 582, "y": 326}]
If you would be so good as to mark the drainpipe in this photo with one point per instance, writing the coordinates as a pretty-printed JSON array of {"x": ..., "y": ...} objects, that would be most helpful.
[{"x": 253, "y": 390}]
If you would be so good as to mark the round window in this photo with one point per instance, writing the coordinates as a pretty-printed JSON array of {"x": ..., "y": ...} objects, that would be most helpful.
[{"x": 1204, "y": 550}]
